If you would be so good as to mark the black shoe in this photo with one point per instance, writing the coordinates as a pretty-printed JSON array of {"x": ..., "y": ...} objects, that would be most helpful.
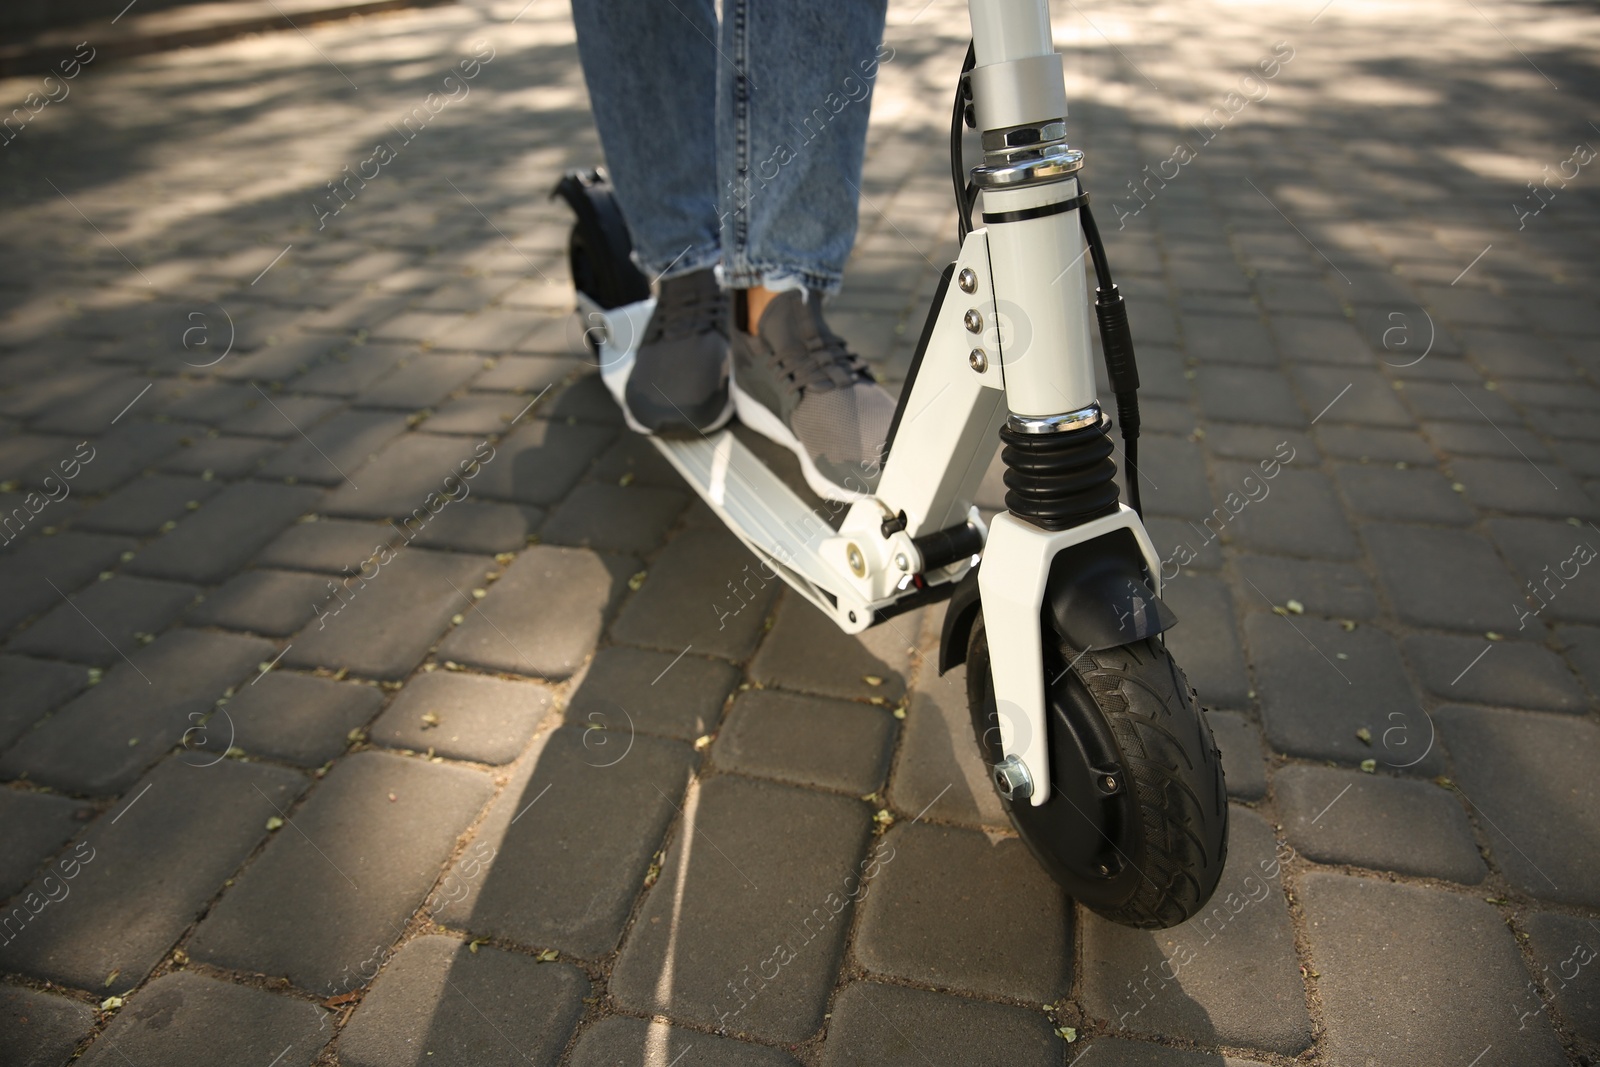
[
  {"x": 796, "y": 382},
  {"x": 679, "y": 383}
]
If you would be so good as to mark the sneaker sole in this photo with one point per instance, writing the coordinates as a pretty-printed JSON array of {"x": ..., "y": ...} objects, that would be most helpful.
[{"x": 754, "y": 414}]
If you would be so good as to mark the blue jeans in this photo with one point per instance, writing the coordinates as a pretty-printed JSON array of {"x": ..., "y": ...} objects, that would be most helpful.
[{"x": 737, "y": 144}]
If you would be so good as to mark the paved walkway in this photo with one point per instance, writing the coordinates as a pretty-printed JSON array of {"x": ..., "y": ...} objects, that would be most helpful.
[{"x": 371, "y": 697}]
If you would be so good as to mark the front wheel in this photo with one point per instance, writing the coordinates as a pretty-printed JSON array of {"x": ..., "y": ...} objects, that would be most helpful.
[{"x": 1137, "y": 819}]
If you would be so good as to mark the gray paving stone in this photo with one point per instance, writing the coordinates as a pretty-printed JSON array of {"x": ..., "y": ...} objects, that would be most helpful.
[
  {"x": 1409, "y": 495},
  {"x": 464, "y": 716},
  {"x": 476, "y": 414},
  {"x": 939, "y": 771},
  {"x": 1363, "y": 443},
  {"x": 30, "y": 689},
  {"x": 140, "y": 507},
  {"x": 1318, "y": 340},
  {"x": 133, "y": 886},
  {"x": 1205, "y": 642},
  {"x": 1557, "y": 558},
  {"x": 1227, "y": 339},
  {"x": 336, "y": 448},
  {"x": 614, "y": 518},
  {"x": 106, "y": 620},
  {"x": 807, "y": 651},
  {"x": 524, "y": 374},
  {"x": 725, "y": 914},
  {"x": 1183, "y": 546},
  {"x": 492, "y": 331},
  {"x": 1411, "y": 975},
  {"x": 1460, "y": 402},
  {"x": 228, "y": 529},
  {"x": 622, "y": 1041},
  {"x": 332, "y": 546},
  {"x": 34, "y": 576},
  {"x": 40, "y": 1029},
  {"x": 1232, "y": 440},
  {"x": 1228, "y": 976},
  {"x": 1313, "y": 703},
  {"x": 1295, "y": 513},
  {"x": 954, "y": 909},
  {"x": 1337, "y": 590},
  {"x": 631, "y": 456},
  {"x": 383, "y": 627},
  {"x": 1351, "y": 394},
  {"x": 1389, "y": 824},
  {"x": 1517, "y": 674},
  {"x": 893, "y": 1026},
  {"x": 1114, "y": 1052},
  {"x": 1423, "y": 570},
  {"x": 105, "y": 738},
  {"x": 36, "y": 826},
  {"x": 283, "y": 417},
  {"x": 540, "y": 461},
  {"x": 1580, "y": 643},
  {"x": 704, "y": 589},
  {"x": 223, "y": 457},
  {"x": 1172, "y": 476},
  {"x": 297, "y": 718},
  {"x": 270, "y": 602},
  {"x": 348, "y": 373},
  {"x": 415, "y": 472},
  {"x": 572, "y": 837},
  {"x": 423, "y": 381},
  {"x": 1564, "y": 948},
  {"x": 436, "y": 999},
  {"x": 831, "y": 744},
  {"x": 340, "y": 885},
  {"x": 119, "y": 454},
  {"x": 185, "y": 1020},
  {"x": 476, "y": 526},
  {"x": 1525, "y": 775},
  {"x": 544, "y": 615},
  {"x": 655, "y": 692},
  {"x": 1476, "y": 439},
  {"x": 1239, "y": 741},
  {"x": 1521, "y": 487},
  {"x": 1238, "y": 394}
]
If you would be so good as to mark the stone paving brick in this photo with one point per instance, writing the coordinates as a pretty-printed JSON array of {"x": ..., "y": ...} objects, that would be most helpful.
[
  {"x": 1338, "y": 590},
  {"x": 383, "y": 626},
  {"x": 140, "y": 507},
  {"x": 106, "y": 620},
  {"x": 297, "y": 718},
  {"x": 424, "y": 326},
  {"x": 1295, "y": 513},
  {"x": 493, "y": 331},
  {"x": 339, "y": 886},
  {"x": 831, "y": 744},
  {"x": 544, "y": 615},
  {"x": 1313, "y": 703},
  {"x": 348, "y": 373},
  {"x": 705, "y": 589},
  {"x": 335, "y": 449},
  {"x": 525, "y": 374},
  {"x": 622, "y": 1041},
  {"x": 476, "y": 526},
  {"x": 228, "y": 529},
  {"x": 357, "y": 313},
  {"x": 269, "y": 602},
  {"x": 1557, "y": 559},
  {"x": 466, "y": 294},
  {"x": 135, "y": 885},
  {"x": 223, "y": 457},
  {"x": 1560, "y": 424},
  {"x": 1575, "y": 394},
  {"x": 1460, "y": 402},
  {"x": 939, "y": 770},
  {"x": 614, "y": 518},
  {"x": 1228, "y": 976},
  {"x": 105, "y": 738},
  {"x": 632, "y": 456},
  {"x": 476, "y": 414},
  {"x": 283, "y": 417},
  {"x": 573, "y": 834},
  {"x": 40, "y": 1029},
  {"x": 540, "y": 461},
  {"x": 1363, "y": 444},
  {"x": 327, "y": 545},
  {"x": 436, "y": 999},
  {"x": 37, "y": 825},
  {"x": 1213, "y": 339},
  {"x": 409, "y": 472},
  {"x": 1517, "y": 674},
  {"x": 1178, "y": 541},
  {"x": 1239, "y": 741},
  {"x": 955, "y": 909},
  {"x": 1565, "y": 948},
  {"x": 185, "y": 1020},
  {"x": 1474, "y": 439},
  {"x": 1581, "y": 457},
  {"x": 1114, "y": 1052},
  {"x": 31, "y": 689},
  {"x": 893, "y": 1026},
  {"x": 1206, "y": 640},
  {"x": 1173, "y": 476},
  {"x": 1351, "y": 394},
  {"x": 1412, "y": 975},
  {"x": 656, "y": 692},
  {"x": 423, "y": 381},
  {"x": 210, "y": 403},
  {"x": 751, "y": 899},
  {"x": 1524, "y": 775},
  {"x": 1409, "y": 495},
  {"x": 1581, "y": 644},
  {"x": 464, "y": 716},
  {"x": 1448, "y": 579},
  {"x": 807, "y": 651},
  {"x": 1389, "y": 824},
  {"x": 1317, "y": 340},
  {"x": 1237, "y": 394},
  {"x": 1521, "y": 487},
  {"x": 1232, "y": 440}
]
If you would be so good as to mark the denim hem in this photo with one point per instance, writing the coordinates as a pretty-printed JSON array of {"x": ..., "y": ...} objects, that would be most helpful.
[
  {"x": 687, "y": 263},
  {"x": 776, "y": 277}
]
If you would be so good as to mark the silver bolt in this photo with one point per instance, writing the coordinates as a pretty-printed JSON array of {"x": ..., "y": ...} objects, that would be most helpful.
[
  {"x": 979, "y": 361},
  {"x": 858, "y": 564},
  {"x": 901, "y": 561},
  {"x": 973, "y": 320},
  {"x": 1012, "y": 779},
  {"x": 1104, "y": 870},
  {"x": 1111, "y": 784},
  {"x": 967, "y": 280}
]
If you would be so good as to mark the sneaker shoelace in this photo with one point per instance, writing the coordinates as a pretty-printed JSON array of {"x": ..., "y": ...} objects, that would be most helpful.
[
  {"x": 825, "y": 363},
  {"x": 689, "y": 312}
]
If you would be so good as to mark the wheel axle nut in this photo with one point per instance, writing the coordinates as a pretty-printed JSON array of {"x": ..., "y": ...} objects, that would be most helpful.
[
  {"x": 1012, "y": 779},
  {"x": 967, "y": 280},
  {"x": 979, "y": 361},
  {"x": 1109, "y": 783},
  {"x": 973, "y": 321},
  {"x": 858, "y": 563}
]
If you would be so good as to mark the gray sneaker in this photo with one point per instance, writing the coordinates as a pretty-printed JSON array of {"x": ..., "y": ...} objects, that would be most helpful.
[
  {"x": 796, "y": 382},
  {"x": 679, "y": 383}
]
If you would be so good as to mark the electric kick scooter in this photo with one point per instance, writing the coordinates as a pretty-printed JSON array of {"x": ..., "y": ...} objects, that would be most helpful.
[{"x": 1099, "y": 749}]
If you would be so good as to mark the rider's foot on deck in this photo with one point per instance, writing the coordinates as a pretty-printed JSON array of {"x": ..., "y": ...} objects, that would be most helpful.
[{"x": 679, "y": 383}]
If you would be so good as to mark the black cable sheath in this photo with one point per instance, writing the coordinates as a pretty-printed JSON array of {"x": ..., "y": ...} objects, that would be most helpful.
[{"x": 957, "y": 176}]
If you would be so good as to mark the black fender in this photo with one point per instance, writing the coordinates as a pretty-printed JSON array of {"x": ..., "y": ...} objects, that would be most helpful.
[
  {"x": 600, "y": 251},
  {"x": 1098, "y": 595}
]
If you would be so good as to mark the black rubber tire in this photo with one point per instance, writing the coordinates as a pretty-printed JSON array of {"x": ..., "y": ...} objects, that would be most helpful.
[{"x": 1170, "y": 827}]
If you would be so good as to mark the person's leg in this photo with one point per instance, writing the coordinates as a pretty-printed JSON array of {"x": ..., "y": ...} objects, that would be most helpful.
[{"x": 651, "y": 68}]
